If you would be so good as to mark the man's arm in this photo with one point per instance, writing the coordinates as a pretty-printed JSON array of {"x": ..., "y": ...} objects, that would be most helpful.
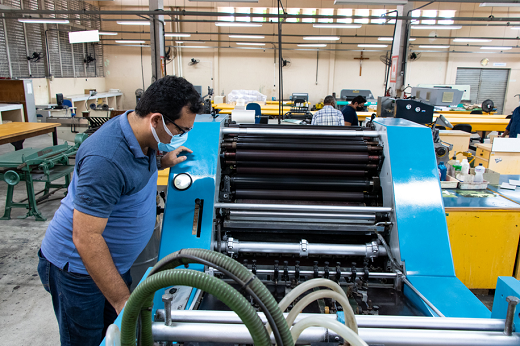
[
  {"x": 87, "y": 236},
  {"x": 171, "y": 159},
  {"x": 347, "y": 123},
  {"x": 505, "y": 134}
]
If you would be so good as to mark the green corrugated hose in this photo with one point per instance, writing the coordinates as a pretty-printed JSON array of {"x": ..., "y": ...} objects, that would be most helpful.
[
  {"x": 235, "y": 268},
  {"x": 140, "y": 299}
]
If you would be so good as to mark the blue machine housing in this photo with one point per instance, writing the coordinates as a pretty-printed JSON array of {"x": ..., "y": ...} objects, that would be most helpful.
[{"x": 409, "y": 179}]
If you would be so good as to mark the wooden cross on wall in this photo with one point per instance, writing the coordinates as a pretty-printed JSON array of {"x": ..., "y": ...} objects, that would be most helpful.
[{"x": 361, "y": 62}]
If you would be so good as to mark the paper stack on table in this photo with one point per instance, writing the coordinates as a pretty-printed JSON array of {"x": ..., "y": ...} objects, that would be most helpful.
[{"x": 510, "y": 185}]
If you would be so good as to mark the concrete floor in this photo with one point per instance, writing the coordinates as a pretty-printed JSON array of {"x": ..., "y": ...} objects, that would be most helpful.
[{"x": 26, "y": 313}]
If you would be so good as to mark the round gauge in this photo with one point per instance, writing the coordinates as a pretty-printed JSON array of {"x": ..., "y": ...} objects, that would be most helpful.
[
  {"x": 417, "y": 109},
  {"x": 408, "y": 106},
  {"x": 484, "y": 62},
  {"x": 182, "y": 181}
]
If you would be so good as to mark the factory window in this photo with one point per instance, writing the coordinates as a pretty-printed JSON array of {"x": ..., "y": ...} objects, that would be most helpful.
[
  {"x": 309, "y": 12},
  {"x": 25, "y": 46},
  {"x": 362, "y": 12},
  {"x": 347, "y": 12},
  {"x": 429, "y": 14},
  {"x": 243, "y": 18},
  {"x": 326, "y": 12},
  {"x": 378, "y": 13},
  {"x": 274, "y": 10},
  {"x": 259, "y": 10},
  {"x": 415, "y": 14},
  {"x": 446, "y": 14},
  {"x": 293, "y": 11},
  {"x": 228, "y": 18}
]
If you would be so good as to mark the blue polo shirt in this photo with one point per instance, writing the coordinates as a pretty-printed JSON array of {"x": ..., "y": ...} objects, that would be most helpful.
[
  {"x": 112, "y": 179},
  {"x": 350, "y": 115},
  {"x": 514, "y": 124}
]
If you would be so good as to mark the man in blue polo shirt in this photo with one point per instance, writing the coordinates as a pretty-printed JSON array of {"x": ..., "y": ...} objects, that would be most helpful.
[
  {"x": 349, "y": 111},
  {"x": 513, "y": 128},
  {"x": 109, "y": 213}
]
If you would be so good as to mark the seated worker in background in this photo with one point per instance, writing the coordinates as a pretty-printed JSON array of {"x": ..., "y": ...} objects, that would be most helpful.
[
  {"x": 349, "y": 111},
  {"x": 109, "y": 213},
  {"x": 513, "y": 128},
  {"x": 328, "y": 115}
]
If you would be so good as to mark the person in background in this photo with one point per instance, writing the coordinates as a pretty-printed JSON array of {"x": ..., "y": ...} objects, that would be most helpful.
[
  {"x": 109, "y": 213},
  {"x": 349, "y": 111},
  {"x": 513, "y": 128},
  {"x": 328, "y": 115}
]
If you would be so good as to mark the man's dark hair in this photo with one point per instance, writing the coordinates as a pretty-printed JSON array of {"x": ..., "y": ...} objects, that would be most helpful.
[
  {"x": 329, "y": 100},
  {"x": 358, "y": 100},
  {"x": 168, "y": 96}
]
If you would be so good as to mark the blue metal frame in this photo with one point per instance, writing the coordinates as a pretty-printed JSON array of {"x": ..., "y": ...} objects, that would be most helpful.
[
  {"x": 506, "y": 286},
  {"x": 421, "y": 222}
]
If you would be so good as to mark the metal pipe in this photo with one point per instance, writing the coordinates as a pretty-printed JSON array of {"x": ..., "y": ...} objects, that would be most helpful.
[
  {"x": 510, "y": 315},
  {"x": 298, "y": 132},
  {"x": 416, "y": 291},
  {"x": 304, "y": 248},
  {"x": 311, "y": 220},
  {"x": 295, "y": 207},
  {"x": 363, "y": 321},
  {"x": 371, "y": 217},
  {"x": 238, "y": 334}
]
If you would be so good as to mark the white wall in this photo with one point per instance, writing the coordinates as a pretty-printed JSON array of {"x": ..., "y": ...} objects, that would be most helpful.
[{"x": 226, "y": 69}]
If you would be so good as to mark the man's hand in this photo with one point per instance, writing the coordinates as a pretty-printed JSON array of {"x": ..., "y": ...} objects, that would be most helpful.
[{"x": 171, "y": 159}]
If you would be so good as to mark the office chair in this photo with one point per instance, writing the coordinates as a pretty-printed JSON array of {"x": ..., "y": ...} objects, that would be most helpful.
[
  {"x": 258, "y": 111},
  {"x": 463, "y": 127}
]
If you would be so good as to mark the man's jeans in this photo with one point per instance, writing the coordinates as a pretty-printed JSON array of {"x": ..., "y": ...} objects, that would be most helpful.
[{"x": 82, "y": 311}]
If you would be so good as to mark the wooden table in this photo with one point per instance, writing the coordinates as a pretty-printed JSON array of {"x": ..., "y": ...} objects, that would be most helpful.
[{"x": 15, "y": 132}]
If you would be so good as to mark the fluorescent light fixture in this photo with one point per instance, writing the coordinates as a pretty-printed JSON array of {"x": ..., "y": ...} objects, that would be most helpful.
[
  {"x": 198, "y": 42},
  {"x": 499, "y": 4},
  {"x": 132, "y": 22},
  {"x": 83, "y": 36},
  {"x": 43, "y": 20},
  {"x": 246, "y": 36},
  {"x": 391, "y": 39},
  {"x": 434, "y": 46},
  {"x": 372, "y": 45},
  {"x": 176, "y": 35},
  {"x": 131, "y": 41},
  {"x": 320, "y": 38},
  {"x": 250, "y": 44},
  {"x": 255, "y": 25},
  {"x": 471, "y": 40},
  {"x": 337, "y": 26},
  {"x": 108, "y": 33},
  {"x": 497, "y": 48},
  {"x": 312, "y": 45},
  {"x": 516, "y": 28},
  {"x": 437, "y": 27},
  {"x": 375, "y": 2}
]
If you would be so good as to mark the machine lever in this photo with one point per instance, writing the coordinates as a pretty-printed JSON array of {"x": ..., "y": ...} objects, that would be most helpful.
[
  {"x": 353, "y": 270},
  {"x": 286, "y": 271},
  {"x": 275, "y": 275},
  {"x": 197, "y": 217},
  {"x": 297, "y": 272},
  {"x": 254, "y": 267},
  {"x": 316, "y": 273},
  {"x": 326, "y": 269},
  {"x": 338, "y": 271}
]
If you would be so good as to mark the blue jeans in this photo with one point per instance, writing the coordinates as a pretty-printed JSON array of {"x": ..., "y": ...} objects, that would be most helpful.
[{"x": 83, "y": 313}]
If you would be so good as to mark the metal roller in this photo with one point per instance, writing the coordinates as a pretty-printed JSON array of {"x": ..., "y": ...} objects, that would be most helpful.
[
  {"x": 363, "y": 321},
  {"x": 302, "y": 171},
  {"x": 299, "y": 165},
  {"x": 359, "y": 147},
  {"x": 301, "y": 140},
  {"x": 296, "y": 183},
  {"x": 289, "y": 131},
  {"x": 303, "y": 195},
  {"x": 296, "y": 215},
  {"x": 303, "y": 208},
  {"x": 304, "y": 248},
  {"x": 299, "y": 156}
]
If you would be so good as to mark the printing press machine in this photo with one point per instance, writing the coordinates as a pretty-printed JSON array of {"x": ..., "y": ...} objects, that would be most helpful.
[{"x": 296, "y": 203}]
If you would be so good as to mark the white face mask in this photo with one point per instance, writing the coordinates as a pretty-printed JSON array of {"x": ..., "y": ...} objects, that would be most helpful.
[{"x": 165, "y": 129}]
